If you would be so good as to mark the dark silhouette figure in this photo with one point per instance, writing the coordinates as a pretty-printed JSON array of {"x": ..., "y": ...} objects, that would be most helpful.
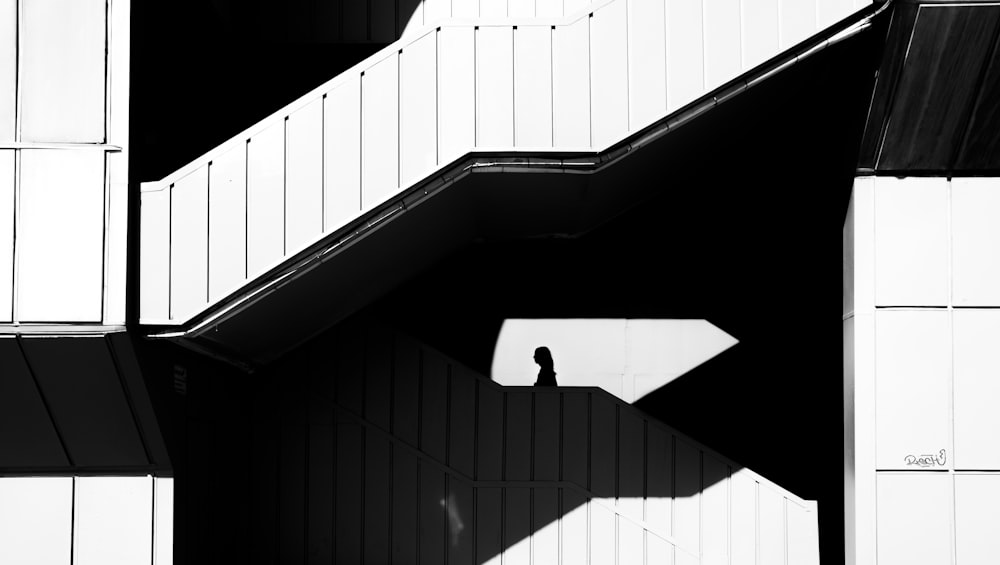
[{"x": 546, "y": 375}]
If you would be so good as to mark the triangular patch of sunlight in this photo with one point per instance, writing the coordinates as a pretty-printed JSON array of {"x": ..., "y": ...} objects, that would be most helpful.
[{"x": 628, "y": 358}]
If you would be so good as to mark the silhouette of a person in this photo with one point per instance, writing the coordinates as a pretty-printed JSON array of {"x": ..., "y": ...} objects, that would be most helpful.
[{"x": 546, "y": 375}]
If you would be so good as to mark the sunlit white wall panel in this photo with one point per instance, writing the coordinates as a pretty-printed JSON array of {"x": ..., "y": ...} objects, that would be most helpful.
[
  {"x": 912, "y": 386},
  {"x": 545, "y": 530},
  {"x": 60, "y": 236},
  {"x": 495, "y": 86},
  {"x": 722, "y": 41},
  {"x": 163, "y": 521},
  {"x": 304, "y": 176},
  {"x": 63, "y": 70},
  {"x": 418, "y": 109},
  {"x": 36, "y": 520},
  {"x": 796, "y": 21},
  {"x": 772, "y": 530},
  {"x": 465, "y": 8},
  {"x": 977, "y": 519},
  {"x": 574, "y": 528},
  {"x": 829, "y": 12},
  {"x": 8, "y": 68},
  {"x": 456, "y": 92},
  {"x": 602, "y": 531},
  {"x": 521, "y": 8},
  {"x": 342, "y": 162},
  {"x": 914, "y": 515},
  {"x": 743, "y": 516},
  {"x": 759, "y": 34},
  {"x": 801, "y": 533},
  {"x": 189, "y": 245},
  {"x": 227, "y": 217},
  {"x": 380, "y": 131},
  {"x": 609, "y": 64},
  {"x": 630, "y": 546},
  {"x": 154, "y": 255},
  {"x": 435, "y": 10},
  {"x": 493, "y": 8},
  {"x": 685, "y": 52},
  {"x": 265, "y": 199},
  {"x": 977, "y": 388},
  {"x": 533, "y": 86},
  {"x": 911, "y": 242},
  {"x": 548, "y": 8},
  {"x": 571, "y": 84},
  {"x": 113, "y": 519},
  {"x": 715, "y": 508},
  {"x": 647, "y": 62},
  {"x": 659, "y": 479},
  {"x": 687, "y": 494},
  {"x": 6, "y": 235},
  {"x": 975, "y": 246},
  {"x": 572, "y": 7}
]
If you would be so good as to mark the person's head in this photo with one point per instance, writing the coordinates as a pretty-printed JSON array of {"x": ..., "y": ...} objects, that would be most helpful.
[{"x": 543, "y": 357}]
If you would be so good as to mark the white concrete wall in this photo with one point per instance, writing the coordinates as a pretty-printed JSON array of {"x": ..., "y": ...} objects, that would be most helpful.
[
  {"x": 492, "y": 76},
  {"x": 921, "y": 370},
  {"x": 63, "y": 165}
]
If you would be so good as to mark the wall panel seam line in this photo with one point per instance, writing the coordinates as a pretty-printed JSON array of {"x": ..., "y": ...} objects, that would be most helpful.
[
  {"x": 107, "y": 69},
  {"x": 170, "y": 252},
  {"x": 72, "y": 521},
  {"x": 208, "y": 232},
  {"x": 15, "y": 315},
  {"x": 18, "y": 68},
  {"x": 106, "y": 224},
  {"x": 322, "y": 164}
]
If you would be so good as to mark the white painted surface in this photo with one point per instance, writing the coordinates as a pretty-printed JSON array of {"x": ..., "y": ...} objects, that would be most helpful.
[
  {"x": 647, "y": 88},
  {"x": 113, "y": 521},
  {"x": 722, "y": 42},
  {"x": 435, "y": 10},
  {"x": 975, "y": 246},
  {"x": 743, "y": 525},
  {"x": 63, "y": 72},
  {"x": 658, "y": 551},
  {"x": 8, "y": 68},
  {"x": 154, "y": 256},
  {"x": 977, "y": 519},
  {"x": 60, "y": 236},
  {"x": 495, "y": 86},
  {"x": 602, "y": 531},
  {"x": 304, "y": 177},
  {"x": 759, "y": 33},
  {"x": 163, "y": 521},
  {"x": 227, "y": 218},
  {"x": 265, "y": 199},
  {"x": 493, "y": 8},
  {"x": 521, "y": 8},
  {"x": 802, "y": 535},
  {"x": 456, "y": 92},
  {"x": 685, "y": 52},
  {"x": 796, "y": 21},
  {"x": 6, "y": 235},
  {"x": 570, "y": 79},
  {"x": 609, "y": 65},
  {"x": 545, "y": 544},
  {"x": 548, "y": 8},
  {"x": 342, "y": 161},
  {"x": 574, "y": 532},
  {"x": 687, "y": 496},
  {"x": 830, "y": 12},
  {"x": 911, "y": 242},
  {"x": 977, "y": 388},
  {"x": 630, "y": 546},
  {"x": 715, "y": 508},
  {"x": 189, "y": 245},
  {"x": 380, "y": 132},
  {"x": 418, "y": 109},
  {"x": 772, "y": 527},
  {"x": 36, "y": 520},
  {"x": 533, "y": 86},
  {"x": 912, "y": 387},
  {"x": 914, "y": 518}
]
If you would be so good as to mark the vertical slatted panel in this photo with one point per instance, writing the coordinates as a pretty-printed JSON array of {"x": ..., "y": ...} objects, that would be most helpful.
[
  {"x": 771, "y": 524},
  {"x": 602, "y": 531},
  {"x": 570, "y": 79},
  {"x": 802, "y": 539},
  {"x": 548, "y": 8},
  {"x": 8, "y": 68},
  {"x": 62, "y": 215},
  {"x": 609, "y": 64},
  {"x": 404, "y": 506},
  {"x": 685, "y": 52},
  {"x": 304, "y": 185},
  {"x": 188, "y": 245},
  {"x": 264, "y": 476},
  {"x": 265, "y": 199},
  {"x": 36, "y": 519},
  {"x": 432, "y": 514},
  {"x": 797, "y": 21},
  {"x": 546, "y": 437},
  {"x": 517, "y": 526},
  {"x": 154, "y": 248},
  {"x": 830, "y": 12},
  {"x": 760, "y": 31},
  {"x": 603, "y": 434},
  {"x": 715, "y": 511},
  {"x": 292, "y": 476},
  {"x": 722, "y": 41},
  {"x": 489, "y": 543},
  {"x": 417, "y": 109},
  {"x": 631, "y": 465},
  {"x": 355, "y": 26},
  {"x": 342, "y": 162},
  {"x": 378, "y": 374},
  {"x": 545, "y": 526},
  {"x": 411, "y": 16},
  {"x": 518, "y": 437},
  {"x": 493, "y": 8},
  {"x": 435, "y": 10},
  {"x": 489, "y": 439},
  {"x": 350, "y": 369},
  {"x": 383, "y": 19},
  {"x": 406, "y": 389},
  {"x": 533, "y": 86},
  {"x": 659, "y": 479},
  {"x": 378, "y": 478},
  {"x": 658, "y": 551},
  {"x": 460, "y": 522},
  {"x": 574, "y": 541},
  {"x": 322, "y": 489},
  {"x": 494, "y": 87},
  {"x": 327, "y": 17},
  {"x": 575, "y": 418},
  {"x": 456, "y": 92},
  {"x": 227, "y": 217},
  {"x": 163, "y": 520},
  {"x": 521, "y": 8},
  {"x": 647, "y": 62},
  {"x": 461, "y": 434},
  {"x": 573, "y": 7},
  {"x": 112, "y": 520},
  {"x": 350, "y": 491},
  {"x": 630, "y": 542},
  {"x": 380, "y": 130},
  {"x": 434, "y": 404},
  {"x": 465, "y": 8},
  {"x": 687, "y": 488},
  {"x": 743, "y": 515},
  {"x": 63, "y": 89}
]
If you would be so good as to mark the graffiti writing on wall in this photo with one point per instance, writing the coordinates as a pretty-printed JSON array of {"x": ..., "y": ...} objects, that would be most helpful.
[{"x": 927, "y": 460}]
